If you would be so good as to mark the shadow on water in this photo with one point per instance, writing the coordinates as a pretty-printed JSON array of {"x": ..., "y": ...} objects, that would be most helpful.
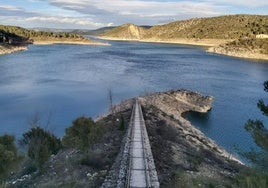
[{"x": 200, "y": 120}]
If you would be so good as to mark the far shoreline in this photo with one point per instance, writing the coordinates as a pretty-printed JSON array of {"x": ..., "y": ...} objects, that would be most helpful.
[
  {"x": 82, "y": 42},
  {"x": 211, "y": 45},
  {"x": 12, "y": 49},
  {"x": 194, "y": 42},
  {"x": 8, "y": 49}
]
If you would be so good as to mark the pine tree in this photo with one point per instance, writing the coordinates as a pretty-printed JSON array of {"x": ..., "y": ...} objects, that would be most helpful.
[{"x": 260, "y": 135}]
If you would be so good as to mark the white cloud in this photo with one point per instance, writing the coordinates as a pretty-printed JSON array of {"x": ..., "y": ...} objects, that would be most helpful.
[
  {"x": 138, "y": 11},
  {"x": 74, "y": 21},
  {"x": 244, "y": 3},
  {"x": 91, "y": 14},
  {"x": 53, "y": 22},
  {"x": 10, "y": 8},
  {"x": 136, "y": 7}
]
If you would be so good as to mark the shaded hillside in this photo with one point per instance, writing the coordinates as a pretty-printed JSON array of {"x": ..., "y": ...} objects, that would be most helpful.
[
  {"x": 32, "y": 35},
  {"x": 222, "y": 27},
  {"x": 10, "y": 42},
  {"x": 10, "y": 38}
]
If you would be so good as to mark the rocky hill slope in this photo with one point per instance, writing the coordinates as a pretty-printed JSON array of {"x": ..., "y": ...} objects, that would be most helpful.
[
  {"x": 198, "y": 31},
  {"x": 127, "y": 32},
  {"x": 183, "y": 155}
]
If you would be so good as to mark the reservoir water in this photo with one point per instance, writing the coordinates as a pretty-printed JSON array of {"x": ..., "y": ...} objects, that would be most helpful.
[{"x": 63, "y": 82}]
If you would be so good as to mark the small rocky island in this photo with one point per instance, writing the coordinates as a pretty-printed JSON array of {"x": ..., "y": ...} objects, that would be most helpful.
[{"x": 183, "y": 155}]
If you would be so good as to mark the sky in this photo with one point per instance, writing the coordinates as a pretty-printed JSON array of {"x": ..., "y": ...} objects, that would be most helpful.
[{"x": 93, "y": 14}]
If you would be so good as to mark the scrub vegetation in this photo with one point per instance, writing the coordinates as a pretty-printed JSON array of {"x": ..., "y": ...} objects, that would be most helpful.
[
  {"x": 80, "y": 159},
  {"x": 257, "y": 176},
  {"x": 222, "y": 27},
  {"x": 14, "y": 35}
]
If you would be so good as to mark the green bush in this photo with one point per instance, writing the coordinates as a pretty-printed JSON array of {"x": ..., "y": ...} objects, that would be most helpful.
[
  {"x": 8, "y": 153},
  {"x": 82, "y": 133},
  {"x": 251, "y": 178},
  {"x": 122, "y": 123},
  {"x": 258, "y": 175},
  {"x": 41, "y": 144}
]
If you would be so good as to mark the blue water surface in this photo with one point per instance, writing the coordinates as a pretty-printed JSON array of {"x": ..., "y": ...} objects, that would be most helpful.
[{"x": 62, "y": 82}]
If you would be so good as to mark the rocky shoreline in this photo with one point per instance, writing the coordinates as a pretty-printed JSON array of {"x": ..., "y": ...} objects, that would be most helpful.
[
  {"x": 238, "y": 52},
  {"x": 76, "y": 42},
  {"x": 188, "y": 41},
  {"x": 8, "y": 49},
  {"x": 212, "y": 45}
]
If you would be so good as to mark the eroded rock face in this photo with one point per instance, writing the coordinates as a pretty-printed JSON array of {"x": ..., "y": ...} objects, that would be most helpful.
[{"x": 178, "y": 102}]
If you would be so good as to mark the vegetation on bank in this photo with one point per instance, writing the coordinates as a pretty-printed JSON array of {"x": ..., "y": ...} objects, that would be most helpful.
[
  {"x": 222, "y": 27},
  {"x": 12, "y": 37},
  {"x": 248, "y": 44},
  {"x": 83, "y": 133},
  {"x": 85, "y": 153},
  {"x": 257, "y": 176},
  {"x": 19, "y": 34},
  {"x": 8, "y": 156}
]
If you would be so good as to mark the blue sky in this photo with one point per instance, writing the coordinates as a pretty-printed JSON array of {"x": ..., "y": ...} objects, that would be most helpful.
[{"x": 92, "y": 14}]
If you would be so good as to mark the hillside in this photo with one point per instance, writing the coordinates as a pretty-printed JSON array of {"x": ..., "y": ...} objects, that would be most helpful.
[
  {"x": 14, "y": 38},
  {"x": 32, "y": 35},
  {"x": 222, "y": 27},
  {"x": 213, "y": 31},
  {"x": 127, "y": 32}
]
